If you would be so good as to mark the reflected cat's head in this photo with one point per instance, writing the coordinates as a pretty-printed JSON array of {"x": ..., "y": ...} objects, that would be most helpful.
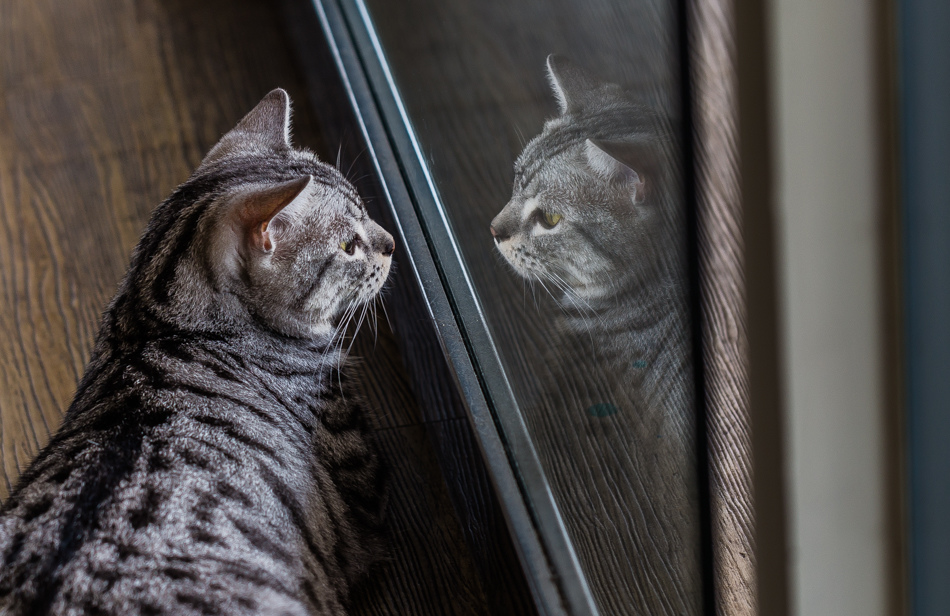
[{"x": 588, "y": 211}]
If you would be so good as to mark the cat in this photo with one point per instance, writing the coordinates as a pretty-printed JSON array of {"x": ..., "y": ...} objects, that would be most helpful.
[
  {"x": 597, "y": 218},
  {"x": 594, "y": 216},
  {"x": 215, "y": 458}
]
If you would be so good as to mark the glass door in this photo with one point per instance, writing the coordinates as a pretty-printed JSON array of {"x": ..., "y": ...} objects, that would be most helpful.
[{"x": 540, "y": 149}]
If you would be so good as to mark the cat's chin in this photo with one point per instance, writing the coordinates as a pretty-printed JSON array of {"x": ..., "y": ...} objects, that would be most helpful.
[
  {"x": 589, "y": 292},
  {"x": 516, "y": 264},
  {"x": 322, "y": 332},
  {"x": 574, "y": 292},
  {"x": 354, "y": 310}
]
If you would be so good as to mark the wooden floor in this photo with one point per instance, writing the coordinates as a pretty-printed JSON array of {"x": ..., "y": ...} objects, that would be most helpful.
[{"x": 105, "y": 106}]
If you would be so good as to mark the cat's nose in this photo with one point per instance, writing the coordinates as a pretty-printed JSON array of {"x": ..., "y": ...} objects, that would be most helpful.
[
  {"x": 498, "y": 235},
  {"x": 389, "y": 247}
]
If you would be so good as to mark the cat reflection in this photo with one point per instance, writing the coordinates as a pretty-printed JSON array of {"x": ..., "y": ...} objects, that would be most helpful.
[{"x": 594, "y": 218}]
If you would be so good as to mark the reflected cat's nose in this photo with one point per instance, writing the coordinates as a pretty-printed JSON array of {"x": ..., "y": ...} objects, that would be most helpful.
[{"x": 500, "y": 234}]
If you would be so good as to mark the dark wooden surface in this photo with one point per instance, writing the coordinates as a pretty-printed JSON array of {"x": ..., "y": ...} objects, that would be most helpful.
[
  {"x": 472, "y": 76},
  {"x": 723, "y": 304},
  {"x": 106, "y": 105}
]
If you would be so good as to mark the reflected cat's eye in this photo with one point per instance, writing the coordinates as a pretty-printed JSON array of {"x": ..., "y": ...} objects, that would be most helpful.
[{"x": 549, "y": 220}]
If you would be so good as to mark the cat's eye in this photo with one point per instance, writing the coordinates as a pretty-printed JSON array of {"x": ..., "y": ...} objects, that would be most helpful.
[
  {"x": 549, "y": 219},
  {"x": 348, "y": 246}
]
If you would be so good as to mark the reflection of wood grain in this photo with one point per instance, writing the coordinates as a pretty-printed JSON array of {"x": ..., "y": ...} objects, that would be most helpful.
[
  {"x": 472, "y": 77},
  {"x": 723, "y": 305},
  {"x": 106, "y": 105}
]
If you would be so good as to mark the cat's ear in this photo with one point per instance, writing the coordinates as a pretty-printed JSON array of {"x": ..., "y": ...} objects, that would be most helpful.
[
  {"x": 632, "y": 163},
  {"x": 573, "y": 88},
  {"x": 265, "y": 128},
  {"x": 258, "y": 207}
]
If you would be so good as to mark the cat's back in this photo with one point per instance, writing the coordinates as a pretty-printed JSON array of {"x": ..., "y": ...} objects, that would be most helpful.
[{"x": 175, "y": 486}]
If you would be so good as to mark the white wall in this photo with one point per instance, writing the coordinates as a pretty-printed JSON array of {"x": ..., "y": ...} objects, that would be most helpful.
[{"x": 829, "y": 292}]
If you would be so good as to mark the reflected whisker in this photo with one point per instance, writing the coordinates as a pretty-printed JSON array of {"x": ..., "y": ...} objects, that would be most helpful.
[
  {"x": 572, "y": 297},
  {"x": 382, "y": 305}
]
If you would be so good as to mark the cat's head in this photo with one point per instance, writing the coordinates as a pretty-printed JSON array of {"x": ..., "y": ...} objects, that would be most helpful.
[
  {"x": 262, "y": 233},
  {"x": 586, "y": 209}
]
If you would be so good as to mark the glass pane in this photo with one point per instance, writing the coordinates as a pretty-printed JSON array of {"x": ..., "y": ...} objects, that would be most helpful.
[{"x": 561, "y": 179}]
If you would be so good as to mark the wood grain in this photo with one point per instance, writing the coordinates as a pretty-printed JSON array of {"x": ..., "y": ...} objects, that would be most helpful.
[
  {"x": 723, "y": 304},
  {"x": 105, "y": 106}
]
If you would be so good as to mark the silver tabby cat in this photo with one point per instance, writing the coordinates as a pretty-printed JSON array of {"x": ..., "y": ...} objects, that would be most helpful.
[
  {"x": 210, "y": 463},
  {"x": 595, "y": 215}
]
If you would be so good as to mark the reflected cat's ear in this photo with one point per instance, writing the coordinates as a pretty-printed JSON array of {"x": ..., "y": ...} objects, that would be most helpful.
[
  {"x": 574, "y": 89},
  {"x": 620, "y": 161},
  {"x": 259, "y": 208},
  {"x": 265, "y": 129}
]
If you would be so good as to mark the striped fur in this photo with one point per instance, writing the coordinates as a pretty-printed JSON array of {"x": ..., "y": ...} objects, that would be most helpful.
[{"x": 215, "y": 459}]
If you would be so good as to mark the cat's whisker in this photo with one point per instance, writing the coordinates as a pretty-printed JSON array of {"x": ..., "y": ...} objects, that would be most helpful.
[
  {"x": 520, "y": 136},
  {"x": 558, "y": 285},
  {"x": 572, "y": 295},
  {"x": 587, "y": 318},
  {"x": 351, "y": 310},
  {"x": 546, "y": 289},
  {"x": 359, "y": 324},
  {"x": 358, "y": 180},
  {"x": 579, "y": 302},
  {"x": 336, "y": 340},
  {"x": 344, "y": 320},
  {"x": 586, "y": 310},
  {"x": 534, "y": 296},
  {"x": 377, "y": 300},
  {"x": 349, "y": 322},
  {"x": 330, "y": 353},
  {"x": 352, "y": 164},
  {"x": 382, "y": 305},
  {"x": 563, "y": 287},
  {"x": 372, "y": 321}
]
